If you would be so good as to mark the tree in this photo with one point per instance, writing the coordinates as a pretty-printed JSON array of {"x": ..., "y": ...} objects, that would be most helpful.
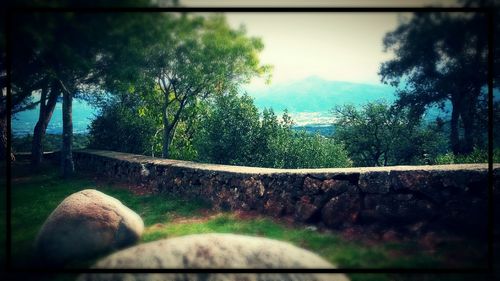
[
  {"x": 440, "y": 57},
  {"x": 381, "y": 135},
  {"x": 47, "y": 54},
  {"x": 314, "y": 151},
  {"x": 229, "y": 131},
  {"x": 3, "y": 93},
  {"x": 235, "y": 133},
  {"x": 25, "y": 76},
  {"x": 119, "y": 127},
  {"x": 48, "y": 100},
  {"x": 71, "y": 54},
  {"x": 198, "y": 59},
  {"x": 31, "y": 74},
  {"x": 188, "y": 133},
  {"x": 273, "y": 140},
  {"x": 226, "y": 129}
]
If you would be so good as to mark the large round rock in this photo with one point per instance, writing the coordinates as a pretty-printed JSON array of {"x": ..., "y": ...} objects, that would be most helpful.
[
  {"x": 213, "y": 251},
  {"x": 87, "y": 223}
]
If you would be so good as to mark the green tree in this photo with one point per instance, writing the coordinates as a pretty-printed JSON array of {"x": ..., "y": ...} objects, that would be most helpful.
[
  {"x": 197, "y": 59},
  {"x": 235, "y": 133},
  {"x": 119, "y": 127},
  {"x": 229, "y": 131},
  {"x": 381, "y": 135},
  {"x": 272, "y": 140},
  {"x": 27, "y": 73},
  {"x": 70, "y": 54},
  {"x": 441, "y": 57},
  {"x": 315, "y": 151}
]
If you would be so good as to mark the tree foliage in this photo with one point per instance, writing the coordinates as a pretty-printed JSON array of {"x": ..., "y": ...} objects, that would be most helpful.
[
  {"x": 228, "y": 129},
  {"x": 381, "y": 135},
  {"x": 76, "y": 55},
  {"x": 441, "y": 57},
  {"x": 235, "y": 133},
  {"x": 120, "y": 128},
  {"x": 195, "y": 59}
]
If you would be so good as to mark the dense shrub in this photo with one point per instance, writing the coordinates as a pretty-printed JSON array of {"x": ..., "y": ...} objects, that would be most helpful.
[
  {"x": 476, "y": 156},
  {"x": 236, "y": 134},
  {"x": 379, "y": 134},
  {"x": 229, "y": 129},
  {"x": 120, "y": 128},
  {"x": 229, "y": 132}
]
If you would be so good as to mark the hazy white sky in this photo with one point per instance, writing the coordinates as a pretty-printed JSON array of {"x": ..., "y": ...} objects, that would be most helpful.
[{"x": 335, "y": 46}]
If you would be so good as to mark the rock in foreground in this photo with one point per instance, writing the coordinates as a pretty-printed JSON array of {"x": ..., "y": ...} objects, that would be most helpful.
[
  {"x": 85, "y": 224},
  {"x": 214, "y": 251}
]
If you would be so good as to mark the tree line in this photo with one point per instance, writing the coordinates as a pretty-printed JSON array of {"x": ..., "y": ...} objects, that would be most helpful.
[
  {"x": 170, "y": 85},
  {"x": 227, "y": 129}
]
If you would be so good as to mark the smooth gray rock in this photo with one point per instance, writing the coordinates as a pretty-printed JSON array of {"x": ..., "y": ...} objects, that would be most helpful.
[
  {"x": 214, "y": 251},
  {"x": 85, "y": 224}
]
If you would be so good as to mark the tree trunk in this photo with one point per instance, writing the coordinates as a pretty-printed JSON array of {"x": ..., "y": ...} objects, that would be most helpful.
[
  {"x": 170, "y": 127},
  {"x": 168, "y": 137},
  {"x": 67, "y": 166},
  {"x": 36, "y": 144},
  {"x": 3, "y": 126},
  {"x": 166, "y": 130},
  {"x": 468, "y": 120},
  {"x": 47, "y": 107},
  {"x": 166, "y": 141},
  {"x": 3, "y": 138},
  {"x": 454, "y": 138}
]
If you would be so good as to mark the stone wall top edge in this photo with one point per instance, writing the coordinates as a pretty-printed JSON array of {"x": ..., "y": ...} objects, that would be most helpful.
[{"x": 268, "y": 171}]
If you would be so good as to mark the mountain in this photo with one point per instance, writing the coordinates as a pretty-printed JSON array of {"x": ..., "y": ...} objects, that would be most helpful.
[{"x": 315, "y": 94}]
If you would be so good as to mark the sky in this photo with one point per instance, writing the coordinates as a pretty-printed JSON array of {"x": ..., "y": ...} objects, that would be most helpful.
[{"x": 333, "y": 46}]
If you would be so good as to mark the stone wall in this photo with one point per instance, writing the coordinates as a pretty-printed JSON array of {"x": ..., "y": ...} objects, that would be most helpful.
[{"x": 411, "y": 199}]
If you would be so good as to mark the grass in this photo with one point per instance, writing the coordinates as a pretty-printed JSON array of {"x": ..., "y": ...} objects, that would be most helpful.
[
  {"x": 329, "y": 246},
  {"x": 36, "y": 194},
  {"x": 34, "y": 197}
]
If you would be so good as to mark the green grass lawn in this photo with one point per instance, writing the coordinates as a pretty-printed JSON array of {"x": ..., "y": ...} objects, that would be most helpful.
[{"x": 36, "y": 194}]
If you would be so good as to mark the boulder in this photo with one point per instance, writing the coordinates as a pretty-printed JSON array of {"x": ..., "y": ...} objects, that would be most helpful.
[
  {"x": 213, "y": 251},
  {"x": 85, "y": 224}
]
